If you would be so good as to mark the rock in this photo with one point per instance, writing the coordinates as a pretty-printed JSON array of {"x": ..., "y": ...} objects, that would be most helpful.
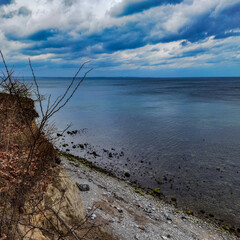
[
  {"x": 157, "y": 190},
  {"x": 29, "y": 233},
  {"x": 93, "y": 216},
  {"x": 142, "y": 227},
  {"x": 81, "y": 146},
  {"x": 168, "y": 217},
  {"x": 83, "y": 187},
  {"x": 69, "y": 202},
  {"x": 127, "y": 174},
  {"x": 95, "y": 154},
  {"x": 173, "y": 199},
  {"x": 137, "y": 237},
  {"x": 57, "y": 160},
  {"x": 120, "y": 210},
  {"x": 147, "y": 231},
  {"x": 164, "y": 238},
  {"x": 110, "y": 155}
]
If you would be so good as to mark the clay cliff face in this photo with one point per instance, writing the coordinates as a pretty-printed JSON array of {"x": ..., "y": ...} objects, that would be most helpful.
[
  {"x": 62, "y": 205},
  {"x": 37, "y": 198}
]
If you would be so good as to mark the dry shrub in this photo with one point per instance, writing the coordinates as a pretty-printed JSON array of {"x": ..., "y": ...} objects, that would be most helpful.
[{"x": 27, "y": 156}]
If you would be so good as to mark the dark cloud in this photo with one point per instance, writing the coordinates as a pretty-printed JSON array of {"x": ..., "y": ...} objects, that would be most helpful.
[
  {"x": 137, "y": 34},
  {"x": 190, "y": 53},
  {"x": 5, "y": 2},
  {"x": 43, "y": 35},
  {"x": 131, "y": 7}
]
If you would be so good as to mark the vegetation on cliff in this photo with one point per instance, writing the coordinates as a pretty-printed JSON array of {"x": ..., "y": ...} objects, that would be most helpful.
[{"x": 36, "y": 199}]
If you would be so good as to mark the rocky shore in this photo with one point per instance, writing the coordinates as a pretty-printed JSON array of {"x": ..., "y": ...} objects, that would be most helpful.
[{"x": 126, "y": 213}]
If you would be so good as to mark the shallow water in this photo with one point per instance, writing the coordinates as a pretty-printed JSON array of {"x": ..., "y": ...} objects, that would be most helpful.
[{"x": 184, "y": 132}]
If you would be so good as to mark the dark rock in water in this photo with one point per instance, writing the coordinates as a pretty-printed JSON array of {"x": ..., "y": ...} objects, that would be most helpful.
[
  {"x": 127, "y": 174},
  {"x": 110, "y": 155},
  {"x": 157, "y": 190},
  {"x": 173, "y": 199},
  {"x": 83, "y": 187},
  {"x": 95, "y": 154},
  {"x": 81, "y": 146}
]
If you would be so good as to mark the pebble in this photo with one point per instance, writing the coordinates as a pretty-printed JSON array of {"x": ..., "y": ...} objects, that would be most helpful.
[
  {"x": 142, "y": 228},
  {"x": 129, "y": 228},
  {"x": 83, "y": 187},
  {"x": 168, "y": 217},
  {"x": 93, "y": 216},
  {"x": 120, "y": 210},
  {"x": 137, "y": 237}
]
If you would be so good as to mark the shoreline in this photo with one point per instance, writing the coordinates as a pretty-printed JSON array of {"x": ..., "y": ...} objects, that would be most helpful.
[
  {"x": 205, "y": 197},
  {"x": 104, "y": 186}
]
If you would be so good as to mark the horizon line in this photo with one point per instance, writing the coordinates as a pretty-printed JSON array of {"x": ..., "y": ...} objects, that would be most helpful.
[{"x": 132, "y": 77}]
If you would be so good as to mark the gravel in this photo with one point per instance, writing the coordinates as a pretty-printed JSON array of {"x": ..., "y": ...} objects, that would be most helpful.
[{"x": 119, "y": 210}]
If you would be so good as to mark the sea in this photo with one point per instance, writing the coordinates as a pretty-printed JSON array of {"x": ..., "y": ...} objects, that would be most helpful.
[{"x": 181, "y": 135}]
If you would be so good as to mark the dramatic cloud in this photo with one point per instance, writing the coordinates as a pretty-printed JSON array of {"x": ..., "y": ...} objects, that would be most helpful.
[
  {"x": 5, "y": 2},
  {"x": 129, "y": 7},
  {"x": 123, "y": 36}
]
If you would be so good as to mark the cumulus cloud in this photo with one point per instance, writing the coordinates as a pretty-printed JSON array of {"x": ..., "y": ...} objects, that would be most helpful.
[{"x": 136, "y": 34}]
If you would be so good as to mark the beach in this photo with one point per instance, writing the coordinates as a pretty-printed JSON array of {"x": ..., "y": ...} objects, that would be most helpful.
[{"x": 124, "y": 212}]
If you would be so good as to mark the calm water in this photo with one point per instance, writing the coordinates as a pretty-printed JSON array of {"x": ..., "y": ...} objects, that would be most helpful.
[{"x": 184, "y": 132}]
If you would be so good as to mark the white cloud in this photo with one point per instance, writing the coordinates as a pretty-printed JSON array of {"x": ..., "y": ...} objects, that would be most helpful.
[
  {"x": 172, "y": 55},
  {"x": 80, "y": 18}
]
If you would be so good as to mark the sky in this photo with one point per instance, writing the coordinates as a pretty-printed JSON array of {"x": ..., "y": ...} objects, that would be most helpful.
[{"x": 134, "y": 38}]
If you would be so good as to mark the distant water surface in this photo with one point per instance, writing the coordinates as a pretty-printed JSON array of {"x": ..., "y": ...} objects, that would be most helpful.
[{"x": 183, "y": 132}]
